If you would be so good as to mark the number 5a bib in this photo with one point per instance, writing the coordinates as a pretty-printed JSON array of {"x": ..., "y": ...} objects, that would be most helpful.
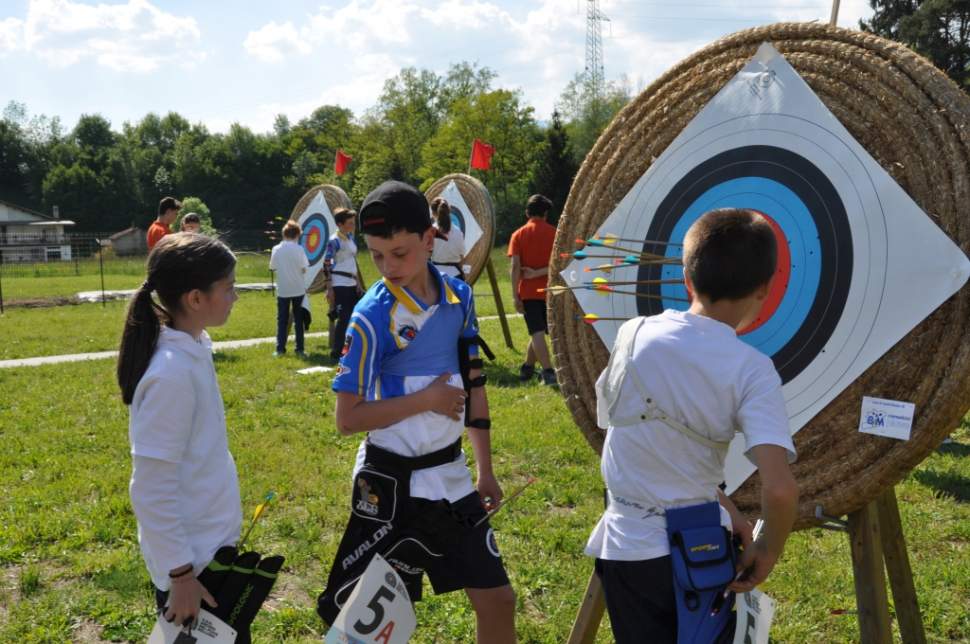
[{"x": 378, "y": 610}]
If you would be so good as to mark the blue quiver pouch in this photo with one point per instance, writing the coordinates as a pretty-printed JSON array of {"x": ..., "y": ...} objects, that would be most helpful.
[{"x": 703, "y": 558}]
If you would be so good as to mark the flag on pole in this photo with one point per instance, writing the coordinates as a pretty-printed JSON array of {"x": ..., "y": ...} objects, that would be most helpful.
[
  {"x": 341, "y": 161},
  {"x": 481, "y": 155}
]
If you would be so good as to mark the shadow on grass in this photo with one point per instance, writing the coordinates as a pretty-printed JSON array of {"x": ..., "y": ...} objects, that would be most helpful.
[
  {"x": 224, "y": 356},
  {"x": 954, "y": 449},
  {"x": 953, "y": 486}
]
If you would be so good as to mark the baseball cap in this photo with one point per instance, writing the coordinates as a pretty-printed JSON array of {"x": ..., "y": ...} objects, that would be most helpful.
[{"x": 394, "y": 206}]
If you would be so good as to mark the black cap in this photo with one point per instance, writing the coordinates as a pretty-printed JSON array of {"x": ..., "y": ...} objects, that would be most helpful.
[{"x": 394, "y": 206}]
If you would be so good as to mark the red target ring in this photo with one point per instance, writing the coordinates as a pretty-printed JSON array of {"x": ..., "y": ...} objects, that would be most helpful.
[{"x": 779, "y": 283}]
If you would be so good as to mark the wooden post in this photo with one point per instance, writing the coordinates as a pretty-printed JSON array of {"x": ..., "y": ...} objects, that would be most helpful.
[
  {"x": 590, "y": 613},
  {"x": 900, "y": 572},
  {"x": 834, "y": 19},
  {"x": 490, "y": 269},
  {"x": 870, "y": 582}
]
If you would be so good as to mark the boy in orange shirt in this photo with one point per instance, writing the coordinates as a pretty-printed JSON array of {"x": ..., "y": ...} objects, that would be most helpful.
[
  {"x": 168, "y": 210},
  {"x": 530, "y": 249}
]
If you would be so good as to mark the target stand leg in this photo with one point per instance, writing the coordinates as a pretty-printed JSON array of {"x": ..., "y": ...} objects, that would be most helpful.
[
  {"x": 876, "y": 538},
  {"x": 590, "y": 613},
  {"x": 490, "y": 269}
]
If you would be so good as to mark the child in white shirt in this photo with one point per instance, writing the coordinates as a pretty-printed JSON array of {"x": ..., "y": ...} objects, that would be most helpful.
[
  {"x": 677, "y": 387},
  {"x": 449, "y": 242},
  {"x": 184, "y": 489}
]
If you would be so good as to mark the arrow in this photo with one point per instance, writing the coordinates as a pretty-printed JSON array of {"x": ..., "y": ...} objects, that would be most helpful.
[
  {"x": 592, "y": 318},
  {"x": 630, "y": 259},
  {"x": 603, "y": 280},
  {"x": 258, "y": 513},
  {"x": 610, "y": 239},
  {"x": 507, "y": 500},
  {"x": 620, "y": 263}
]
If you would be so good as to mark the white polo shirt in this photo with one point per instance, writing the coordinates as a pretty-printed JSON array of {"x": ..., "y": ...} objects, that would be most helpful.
[
  {"x": 698, "y": 372},
  {"x": 341, "y": 256},
  {"x": 289, "y": 261},
  {"x": 184, "y": 489}
]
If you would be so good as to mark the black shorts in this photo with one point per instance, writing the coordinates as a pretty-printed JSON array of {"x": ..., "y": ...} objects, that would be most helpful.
[
  {"x": 535, "y": 316},
  {"x": 471, "y": 561},
  {"x": 641, "y": 602},
  {"x": 436, "y": 538}
]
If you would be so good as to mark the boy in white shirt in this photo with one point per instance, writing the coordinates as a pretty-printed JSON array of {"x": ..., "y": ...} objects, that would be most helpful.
[
  {"x": 346, "y": 285},
  {"x": 677, "y": 387},
  {"x": 290, "y": 263}
]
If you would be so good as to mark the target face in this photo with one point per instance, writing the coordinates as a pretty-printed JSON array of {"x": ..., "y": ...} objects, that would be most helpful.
[
  {"x": 859, "y": 263},
  {"x": 318, "y": 224},
  {"x": 461, "y": 216}
]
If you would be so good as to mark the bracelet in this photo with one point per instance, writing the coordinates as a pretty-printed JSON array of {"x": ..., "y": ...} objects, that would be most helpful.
[{"x": 179, "y": 575}]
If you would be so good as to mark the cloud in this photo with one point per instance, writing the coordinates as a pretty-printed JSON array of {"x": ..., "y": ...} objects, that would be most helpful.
[
  {"x": 135, "y": 36},
  {"x": 538, "y": 47},
  {"x": 11, "y": 34},
  {"x": 272, "y": 42}
]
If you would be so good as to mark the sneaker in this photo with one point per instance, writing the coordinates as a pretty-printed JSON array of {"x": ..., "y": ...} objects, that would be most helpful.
[
  {"x": 549, "y": 377},
  {"x": 277, "y": 354},
  {"x": 300, "y": 354},
  {"x": 527, "y": 372}
]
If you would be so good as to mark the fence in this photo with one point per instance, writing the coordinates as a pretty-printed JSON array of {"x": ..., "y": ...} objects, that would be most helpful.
[{"x": 67, "y": 255}]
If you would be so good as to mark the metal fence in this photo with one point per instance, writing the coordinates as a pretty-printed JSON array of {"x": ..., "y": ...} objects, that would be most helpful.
[{"x": 58, "y": 254}]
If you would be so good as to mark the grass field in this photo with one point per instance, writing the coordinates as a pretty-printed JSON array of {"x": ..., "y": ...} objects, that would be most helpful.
[
  {"x": 83, "y": 328},
  {"x": 70, "y": 569}
]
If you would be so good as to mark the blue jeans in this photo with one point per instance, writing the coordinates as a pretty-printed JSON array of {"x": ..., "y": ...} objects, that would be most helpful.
[{"x": 283, "y": 305}]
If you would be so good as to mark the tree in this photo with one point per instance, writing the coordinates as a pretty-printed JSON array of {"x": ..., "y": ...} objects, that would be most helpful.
[
  {"x": 938, "y": 29},
  {"x": 557, "y": 167},
  {"x": 500, "y": 118},
  {"x": 586, "y": 115}
]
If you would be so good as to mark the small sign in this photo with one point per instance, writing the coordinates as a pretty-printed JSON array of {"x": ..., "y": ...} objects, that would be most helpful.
[
  {"x": 889, "y": 418},
  {"x": 378, "y": 610},
  {"x": 755, "y": 612},
  {"x": 209, "y": 629}
]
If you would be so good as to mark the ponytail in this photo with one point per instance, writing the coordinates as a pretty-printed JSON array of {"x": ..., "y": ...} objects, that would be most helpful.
[
  {"x": 138, "y": 340},
  {"x": 178, "y": 264},
  {"x": 442, "y": 214}
]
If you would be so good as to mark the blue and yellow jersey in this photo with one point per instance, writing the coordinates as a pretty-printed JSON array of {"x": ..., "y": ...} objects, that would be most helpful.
[{"x": 384, "y": 324}]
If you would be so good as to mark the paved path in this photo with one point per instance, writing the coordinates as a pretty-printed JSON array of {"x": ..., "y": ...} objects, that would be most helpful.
[{"x": 103, "y": 355}]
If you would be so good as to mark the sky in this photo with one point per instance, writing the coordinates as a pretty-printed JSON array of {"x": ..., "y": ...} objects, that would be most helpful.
[{"x": 248, "y": 60}]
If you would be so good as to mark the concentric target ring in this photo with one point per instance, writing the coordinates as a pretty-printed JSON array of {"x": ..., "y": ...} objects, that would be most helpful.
[
  {"x": 316, "y": 232},
  {"x": 792, "y": 191}
]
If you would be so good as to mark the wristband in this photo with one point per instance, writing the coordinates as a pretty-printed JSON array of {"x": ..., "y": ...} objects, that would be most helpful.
[{"x": 181, "y": 574}]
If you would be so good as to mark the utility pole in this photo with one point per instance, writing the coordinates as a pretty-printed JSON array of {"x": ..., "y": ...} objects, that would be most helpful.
[{"x": 595, "y": 76}]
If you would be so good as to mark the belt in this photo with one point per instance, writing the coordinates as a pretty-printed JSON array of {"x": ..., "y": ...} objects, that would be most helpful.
[{"x": 381, "y": 458}]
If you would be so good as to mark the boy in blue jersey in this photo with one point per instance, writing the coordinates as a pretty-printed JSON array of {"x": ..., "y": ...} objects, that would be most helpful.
[{"x": 410, "y": 367}]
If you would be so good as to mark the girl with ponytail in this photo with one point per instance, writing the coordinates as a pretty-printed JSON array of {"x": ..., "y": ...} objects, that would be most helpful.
[
  {"x": 184, "y": 489},
  {"x": 449, "y": 241}
]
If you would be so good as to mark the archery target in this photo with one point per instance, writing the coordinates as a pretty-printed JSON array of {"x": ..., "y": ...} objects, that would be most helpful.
[
  {"x": 864, "y": 263},
  {"x": 315, "y": 215},
  {"x": 461, "y": 215},
  {"x": 473, "y": 213}
]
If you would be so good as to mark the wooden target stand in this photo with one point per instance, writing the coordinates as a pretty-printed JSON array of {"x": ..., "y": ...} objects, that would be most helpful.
[
  {"x": 499, "y": 306},
  {"x": 876, "y": 540}
]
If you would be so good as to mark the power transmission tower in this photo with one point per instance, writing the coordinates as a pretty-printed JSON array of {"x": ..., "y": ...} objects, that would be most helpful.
[{"x": 595, "y": 76}]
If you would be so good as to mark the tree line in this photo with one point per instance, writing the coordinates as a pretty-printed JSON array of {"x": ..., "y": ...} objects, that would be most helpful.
[{"x": 420, "y": 129}]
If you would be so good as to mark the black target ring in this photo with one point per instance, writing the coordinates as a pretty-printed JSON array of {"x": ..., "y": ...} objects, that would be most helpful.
[{"x": 822, "y": 200}]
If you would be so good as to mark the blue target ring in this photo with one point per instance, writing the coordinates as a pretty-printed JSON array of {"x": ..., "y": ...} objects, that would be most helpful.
[
  {"x": 458, "y": 218},
  {"x": 316, "y": 232},
  {"x": 807, "y": 207},
  {"x": 791, "y": 214}
]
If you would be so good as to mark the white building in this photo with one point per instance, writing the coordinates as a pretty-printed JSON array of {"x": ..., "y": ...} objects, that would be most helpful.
[{"x": 30, "y": 236}]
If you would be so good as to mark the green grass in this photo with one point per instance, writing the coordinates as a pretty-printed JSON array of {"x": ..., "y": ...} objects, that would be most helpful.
[
  {"x": 63, "y": 279},
  {"x": 83, "y": 328},
  {"x": 70, "y": 568}
]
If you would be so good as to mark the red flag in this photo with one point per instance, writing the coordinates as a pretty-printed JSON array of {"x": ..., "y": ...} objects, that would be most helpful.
[
  {"x": 341, "y": 161},
  {"x": 481, "y": 155}
]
